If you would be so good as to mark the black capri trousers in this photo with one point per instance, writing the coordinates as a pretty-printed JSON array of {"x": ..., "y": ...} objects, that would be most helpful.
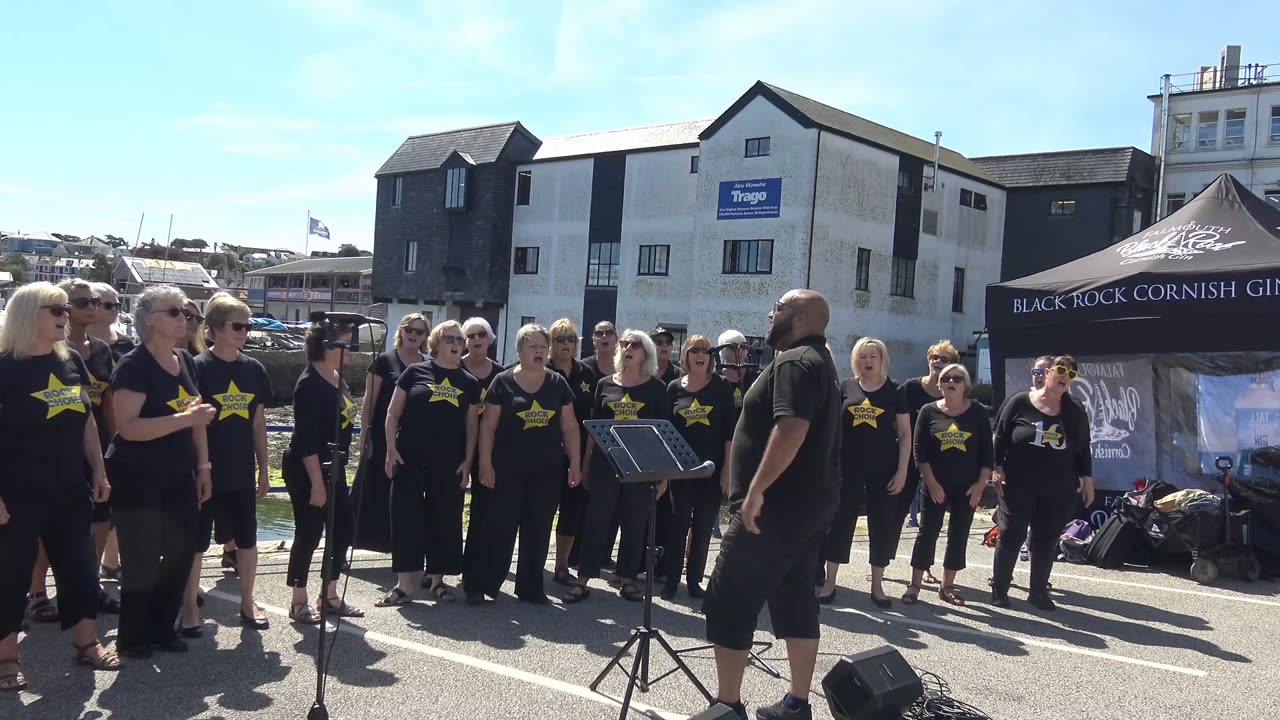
[
  {"x": 957, "y": 501},
  {"x": 62, "y": 517},
  {"x": 229, "y": 515},
  {"x": 426, "y": 516},
  {"x": 776, "y": 567},
  {"x": 886, "y": 513},
  {"x": 608, "y": 498},
  {"x": 695, "y": 504},
  {"x": 309, "y": 522},
  {"x": 522, "y": 501}
]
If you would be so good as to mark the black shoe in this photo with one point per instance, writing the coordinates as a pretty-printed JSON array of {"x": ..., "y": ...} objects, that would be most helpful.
[
  {"x": 883, "y": 603},
  {"x": 1042, "y": 601},
  {"x": 781, "y": 711},
  {"x": 254, "y": 623},
  {"x": 739, "y": 710},
  {"x": 476, "y": 598},
  {"x": 171, "y": 645},
  {"x": 534, "y": 599},
  {"x": 1000, "y": 598},
  {"x": 828, "y": 599},
  {"x": 134, "y": 652},
  {"x": 669, "y": 591},
  {"x": 195, "y": 632},
  {"x": 696, "y": 592}
]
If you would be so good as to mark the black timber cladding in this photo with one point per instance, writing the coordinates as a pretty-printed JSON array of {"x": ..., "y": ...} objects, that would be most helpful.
[
  {"x": 608, "y": 180},
  {"x": 906, "y": 221}
]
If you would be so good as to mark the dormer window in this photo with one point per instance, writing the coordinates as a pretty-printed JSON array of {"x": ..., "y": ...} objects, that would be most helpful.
[{"x": 455, "y": 188}]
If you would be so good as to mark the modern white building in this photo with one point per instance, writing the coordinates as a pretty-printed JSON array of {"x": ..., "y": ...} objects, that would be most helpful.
[
  {"x": 1222, "y": 118},
  {"x": 701, "y": 226}
]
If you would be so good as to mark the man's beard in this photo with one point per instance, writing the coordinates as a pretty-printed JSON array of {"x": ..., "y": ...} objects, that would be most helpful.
[{"x": 777, "y": 334}]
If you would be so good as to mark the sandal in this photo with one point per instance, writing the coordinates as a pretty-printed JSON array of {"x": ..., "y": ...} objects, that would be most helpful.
[
  {"x": 302, "y": 612},
  {"x": 393, "y": 598},
  {"x": 107, "y": 604},
  {"x": 563, "y": 577},
  {"x": 344, "y": 610},
  {"x": 111, "y": 573},
  {"x": 630, "y": 592},
  {"x": 929, "y": 579},
  {"x": 443, "y": 593},
  {"x": 949, "y": 595},
  {"x": 106, "y": 660},
  {"x": 911, "y": 596},
  {"x": 12, "y": 681},
  {"x": 42, "y": 609},
  {"x": 576, "y": 594}
]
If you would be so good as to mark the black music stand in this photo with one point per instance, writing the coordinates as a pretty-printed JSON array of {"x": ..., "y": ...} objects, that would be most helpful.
[{"x": 652, "y": 452}]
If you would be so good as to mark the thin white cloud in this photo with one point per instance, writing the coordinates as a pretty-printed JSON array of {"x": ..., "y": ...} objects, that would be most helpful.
[
  {"x": 257, "y": 125},
  {"x": 352, "y": 184},
  {"x": 14, "y": 189},
  {"x": 290, "y": 150}
]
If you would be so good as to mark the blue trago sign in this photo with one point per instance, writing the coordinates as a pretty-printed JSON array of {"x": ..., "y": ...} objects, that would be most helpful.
[{"x": 742, "y": 199}]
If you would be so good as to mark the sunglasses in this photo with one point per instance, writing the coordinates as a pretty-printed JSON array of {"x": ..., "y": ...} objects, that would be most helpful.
[
  {"x": 953, "y": 379},
  {"x": 1064, "y": 370},
  {"x": 1037, "y": 371},
  {"x": 174, "y": 313},
  {"x": 632, "y": 345},
  {"x": 57, "y": 310},
  {"x": 86, "y": 303},
  {"x": 237, "y": 326},
  {"x": 936, "y": 358},
  {"x": 416, "y": 332},
  {"x": 477, "y": 336},
  {"x": 566, "y": 339},
  {"x": 111, "y": 306},
  {"x": 604, "y": 333},
  {"x": 453, "y": 339},
  {"x": 698, "y": 350},
  {"x": 662, "y": 342}
]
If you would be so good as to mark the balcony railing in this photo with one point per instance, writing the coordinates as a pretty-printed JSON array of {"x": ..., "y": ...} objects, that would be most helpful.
[{"x": 1220, "y": 78}]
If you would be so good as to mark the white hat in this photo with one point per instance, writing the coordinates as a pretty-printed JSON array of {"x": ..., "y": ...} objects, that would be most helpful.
[{"x": 729, "y": 337}]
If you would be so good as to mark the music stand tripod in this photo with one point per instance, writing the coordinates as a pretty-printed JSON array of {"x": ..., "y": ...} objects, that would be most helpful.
[{"x": 651, "y": 452}]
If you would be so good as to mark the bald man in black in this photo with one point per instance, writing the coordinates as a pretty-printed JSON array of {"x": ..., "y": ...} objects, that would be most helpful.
[{"x": 784, "y": 489}]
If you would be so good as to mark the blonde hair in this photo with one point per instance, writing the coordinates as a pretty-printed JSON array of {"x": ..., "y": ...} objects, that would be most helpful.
[
  {"x": 964, "y": 371},
  {"x": 943, "y": 346},
  {"x": 220, "y": 309},
  {"x": 433, "y": 340},
  {"x": 869, "y": 342},
  {"x": 195, "y": 343},
  {"x": 22, "y": 319},
  {"x": 689, "y": 342},
  {"x": 565, "y": 326},
  {"x": 405, "y": 322},
  {"x": 650, "y": 351}
]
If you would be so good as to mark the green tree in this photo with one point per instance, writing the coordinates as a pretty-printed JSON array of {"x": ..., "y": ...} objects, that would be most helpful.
[
  {"x": 100, "y": 272},
  {"x": 348, "y": 250},
  {"x": 159, "y": 252},
  {"x": 115, "y": 241},
  {"x": 16, "y": 265}
]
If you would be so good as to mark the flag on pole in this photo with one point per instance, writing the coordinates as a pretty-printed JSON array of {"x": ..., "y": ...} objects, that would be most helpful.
[{"x": 319, "y": 228}]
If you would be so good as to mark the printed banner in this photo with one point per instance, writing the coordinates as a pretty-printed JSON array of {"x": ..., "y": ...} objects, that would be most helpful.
[
  {"x": 1239, "y": 416},
  {"x": 742, "y": 199}
]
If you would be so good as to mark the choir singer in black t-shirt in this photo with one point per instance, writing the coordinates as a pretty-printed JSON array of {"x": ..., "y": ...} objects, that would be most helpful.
[
  {"x": 484, "y": 369},
  {"x": 528, "y": 429},
  {"x": 160, "y": 469},
  {"x": 47, "y": 439},
  {"x": 582, "y": 381},
  {"x": 784, "y": 487}
]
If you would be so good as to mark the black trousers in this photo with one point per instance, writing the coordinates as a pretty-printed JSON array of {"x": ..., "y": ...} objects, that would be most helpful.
[
  {"x": 308, "y": 522},
  {"x": 839, "y": 540},
  {"x": 885, "y": 515},
  {"x": 426, "y": 517},
  {"x": 775, "y": 567},
  {"x": 62, "y": 517},
  {"x": 957, "y": 501},
  {"x": 156, "y": 516},
  {"x": 1044, "y": 505},
  {"x": 523, "y": 502},
  {"x": 608, "y": 498},
  {"x": 371, "y": 493},
  {"x": 695, "y": 505}
]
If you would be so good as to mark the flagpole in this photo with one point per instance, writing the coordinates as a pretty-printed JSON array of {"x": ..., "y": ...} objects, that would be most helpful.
[
  {"x": 306, "y": 243},
  {"x": 164, "y": 278}
]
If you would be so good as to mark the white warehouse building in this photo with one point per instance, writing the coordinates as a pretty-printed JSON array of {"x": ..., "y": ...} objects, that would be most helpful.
[{"x": 700, "y": 226}]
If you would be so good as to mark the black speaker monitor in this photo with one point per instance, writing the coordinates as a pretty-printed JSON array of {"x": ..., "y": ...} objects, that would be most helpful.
[{"x": 872, "y": 685}]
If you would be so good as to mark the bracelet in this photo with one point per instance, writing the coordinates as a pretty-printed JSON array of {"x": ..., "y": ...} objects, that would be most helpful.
[{"x": 205, "y": 466}]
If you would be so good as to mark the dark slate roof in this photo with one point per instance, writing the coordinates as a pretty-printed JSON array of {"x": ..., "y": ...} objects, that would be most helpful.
[
  {"x": 652, "y": 137},
  {"x": 1071, "y": 167},
  {"x": 320, "y": 266},
  {"x": 482, "y": 145},
  {"x": 811, "y": 113}
]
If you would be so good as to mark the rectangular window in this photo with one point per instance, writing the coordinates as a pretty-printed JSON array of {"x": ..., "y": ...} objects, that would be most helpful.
[
  {"x": 455, "y": 188},
  {"x": 979, "y": 201},
  {"x": 678, "y": 335},
  {"x": 524, "y": 181},
  {"x": 526, "y": 261},
  {"x": 602, "y": 264},
  {"x": 757, "y": 147},
  {"x": 1062, "y": 207},
  {"x": 929, "y": 222},
  {"x": 748, "y": 257},
  {"x": 957, "y": 291},
  {"x": 1207, "y": 134},
  {"x": 397, "y": 192},
  {"x": 904, "y": 277},
  {"x": 862, "y": 278},
  {"x": 1275, "y": 124},
  {"x": 1233, "y": 129},
  {"x": 1272, "y": 196},
  {"x": 527, "y": 320},
  {"x": 904, "y": 180},
  {"x": 693, "y": 164},
  {"x": 411, "y": 256},
  {"x": 1181, "y": 132},
  {"x": 1174, "y": 202},
  {"x": 653, "y": 259},
  {"x": 966, "y": 198}
]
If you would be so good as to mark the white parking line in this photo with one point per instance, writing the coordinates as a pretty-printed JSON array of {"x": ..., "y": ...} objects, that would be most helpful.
[
  {"x": 476, "y": 663},
  {"x": 1025, "y": 641}
]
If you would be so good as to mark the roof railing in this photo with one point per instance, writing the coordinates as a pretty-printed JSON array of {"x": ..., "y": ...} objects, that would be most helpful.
[{"x": 1221, "y": 77}]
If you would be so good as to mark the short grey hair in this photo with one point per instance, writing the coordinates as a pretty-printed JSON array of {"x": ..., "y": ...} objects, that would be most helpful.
[
  {"x": 101, "y": 288},
  {"x": 526, "y": 333},
  {"x": 650, "y": 351},
  {"x": 70, "y": 285},
  {"x": 147, "y": 301},
  {"x": 484, "y": 325}
]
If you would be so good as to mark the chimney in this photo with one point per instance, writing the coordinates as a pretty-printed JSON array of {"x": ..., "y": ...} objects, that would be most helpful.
[{"x": 1229, "y": 67}]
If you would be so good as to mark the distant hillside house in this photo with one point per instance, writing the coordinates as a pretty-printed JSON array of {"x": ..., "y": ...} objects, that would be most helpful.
[
  {"x": 292, "y": 291},
  {"x": 132, "y": 275}
]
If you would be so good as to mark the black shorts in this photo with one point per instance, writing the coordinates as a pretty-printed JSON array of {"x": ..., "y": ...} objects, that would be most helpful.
[
  {"x": 229, "y": 515},
  {"x": 776, "y": 567}
]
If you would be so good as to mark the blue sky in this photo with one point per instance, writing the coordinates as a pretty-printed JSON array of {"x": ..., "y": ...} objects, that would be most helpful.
[{"x": 238, "y": 117}]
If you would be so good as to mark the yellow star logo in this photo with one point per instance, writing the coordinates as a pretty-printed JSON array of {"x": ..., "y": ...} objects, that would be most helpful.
[
  {"x": 184, "y": 399},
  {"x": 234, "y": 402},
  {"x": 97, "y": 388},
  {"x": 445, "y": 392},
  {"x": 349, "y": 412},
  {"x": 586, "y": 386},
  {"x": 536, "y": 416},
  {"x": 866, "y": 413},
  {"x": 737, "y": 397},
  {"x": 59, "y": 397},
  {"x": 484, "y": 393},
  {"x": 953, "y": 438},
  {"x": 697, "y": 414},
  {"x": 626, "y": 408},
  {"x": 1051, "y": 436}
]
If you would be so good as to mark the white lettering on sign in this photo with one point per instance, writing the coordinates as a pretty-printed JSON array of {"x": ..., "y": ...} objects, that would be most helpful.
[
  {"x": 1180, "y": 242},
  {"x": 749, "y": 197}
]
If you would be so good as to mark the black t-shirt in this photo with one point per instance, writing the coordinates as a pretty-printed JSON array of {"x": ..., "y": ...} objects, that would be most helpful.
[
  {"x": 433, "y": 423},
  {"x": 166, "y": 395},
  {"x": 100, "y": 363},
  {"x": 916, "y": 397},
  {"x": 869, "y": 445},
  {"x": 704, "y": 418},
  {"x": 615, "y": 402},
  {"x": 236, "y": 390},
  {"x": 529, "y": 427},
  {"x": 42, "y": 419},
  {"x": 672, "y": 373},
  {"x": 593, "y": 364},
  {"x": 389, "y": 367},
  {"x": 956, "y": 448},
  {"x": 122, "y": 346},
  {"x": 800, "y": 382},
  {"x": 483, "y": 382},
  {"x": 1032, "y": 446},
  {"x": 315, "y": 416},
  {"x": 582, "y": 381}
]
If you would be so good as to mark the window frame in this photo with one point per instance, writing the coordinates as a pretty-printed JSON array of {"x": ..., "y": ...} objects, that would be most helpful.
[
  {"x": 522, "y": 252},
  {"x": 762, "y": 147},
  {"x": 528, "y": 320},
  {"x": 1059, "y": 208},
  {"x": 903, "y": 281},
  {"x": 979, "y": 201},
  {"x": 1170, "y": 198},
  {"x": 524, "y": 187},
  {"x": 653, "y": 252},
  {"x": 966, "y": 197},
  {"x": 1174, "y": 126},
  {"x": 1274, "y": 134},
  {"x": 397, "y": 191},
  {"x": 1272, "y": 196},
  {"x": 455, "y": 188},
  {"x": 862, "y": 270},
  {"x": 957, "y": 290},
  {"x": 596, "y": 268},
  {"x": 1227, "y": 137},
  {"x": 1200, "y": 127},
  {"x": 695, "y": 162},
  {"x": 730, "y": 260},
  {"x": 411, "y": 255},
  {"x": 925, "y": 214}
]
